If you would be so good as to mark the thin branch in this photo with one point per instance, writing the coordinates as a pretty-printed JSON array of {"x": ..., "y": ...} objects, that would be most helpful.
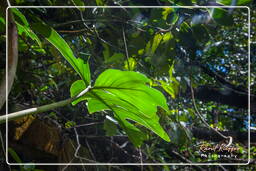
[
  {"x": 41, "y": 109},
  {"x": 141, "y": 160},
  {"x": 78, "y": 147},
  {"x": 202, "y": 119},
  {"x": 88, "y": 124},
  {"x": 184, "y": 159},
  {"x": 64, "y": 168},
  {"x": 126, "y": 50},
  {"x": 72, "y": 31}
]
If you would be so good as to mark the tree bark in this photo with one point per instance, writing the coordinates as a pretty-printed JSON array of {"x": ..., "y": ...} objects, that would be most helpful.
[{"x": 12, "y": 59}]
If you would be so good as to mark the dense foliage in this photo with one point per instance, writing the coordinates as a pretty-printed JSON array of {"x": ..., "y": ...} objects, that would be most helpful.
[{"x": 159, "y": 83}]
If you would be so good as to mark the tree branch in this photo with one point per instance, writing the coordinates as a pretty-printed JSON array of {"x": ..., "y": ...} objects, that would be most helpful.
[
  {"x": 12, "y": 59},
  {"x": 41, "y": 109},
  {"x": 210, "y": 135}
]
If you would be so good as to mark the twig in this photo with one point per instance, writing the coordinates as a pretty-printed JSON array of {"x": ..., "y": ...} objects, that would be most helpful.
[
  {"x": 78, "y": 147},
  {"x": 141, "y": 160},
  {"x": 90, "y": 150},
  {"x": 223, "y": 168},
  {"x": 185, "y": 159},
  {"x": 64, "y": 168},
  {"x": 126, "y": 50},
  {"x": 88, "y": 124},
  {"x": 72, "y": 31},
  {"x": 202, "y": 119}
]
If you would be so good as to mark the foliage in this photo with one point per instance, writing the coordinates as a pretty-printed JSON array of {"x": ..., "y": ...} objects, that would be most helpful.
[{"x": 169, "y": 50}]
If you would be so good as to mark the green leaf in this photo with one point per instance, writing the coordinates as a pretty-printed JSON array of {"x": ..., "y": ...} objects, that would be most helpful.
[
  {"x": 23, "y": 26},
  {"x": 168, "y": 88},
  {"x": 221, "y": 16},
  {"x": 19, "y": 17},
  {"x": 132, "y": 64},
  {"x": 2, "y": 25},
  {"x": 81, "y": 67},
  {"x": 166, "y": 12},
  {"x": 172, "y": 85},
  {"x": 238, "y": 2},
  {"x": 116, "y": 57},
  {"x": 28, "y": 32},
  {"x": 76, "y": 88},
  {"x": 100, "y": 2},
  {"x": 14, "y": 155},
  {"x": 126, "y": 93},
  {"x": 152, "y": 46},
  {"x": 110, "y": 127},
  {"x": 79, "y": 3},
  {"x": 179, "y": 134}
]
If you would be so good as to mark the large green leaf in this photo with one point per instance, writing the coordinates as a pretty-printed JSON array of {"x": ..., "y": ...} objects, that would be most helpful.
[
  {"x": 127, "y": 94},
  {"x": 81, "y": 67}
]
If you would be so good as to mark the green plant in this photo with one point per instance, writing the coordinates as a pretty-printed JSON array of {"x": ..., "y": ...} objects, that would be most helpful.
[{"x": 126, "y": 93}]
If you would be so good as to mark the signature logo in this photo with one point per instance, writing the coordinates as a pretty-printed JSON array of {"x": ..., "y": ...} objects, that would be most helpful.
[{"x": 219, "y": 150}]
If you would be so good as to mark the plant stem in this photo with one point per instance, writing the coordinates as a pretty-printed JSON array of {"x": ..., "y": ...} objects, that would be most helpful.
[{"x": 41, "y": 109}]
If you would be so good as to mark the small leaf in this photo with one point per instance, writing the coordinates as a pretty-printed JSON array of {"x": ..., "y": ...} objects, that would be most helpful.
[
  {"x": 19, "y": 17},
  {"x": 116, "y": 57},
  {"x": 23, "y": 25},
  {"x": 132, "y": 64},
  {"x": 153, "y": 44},
  {"x": 76, "y": 88},
  {"x": 28, "y": 32},
  {"x": 168, "y": 88},
  {"x": 14, "y": 155},
  {"x": 100, "y": 2},
  {"x": 79, "y": 3}
]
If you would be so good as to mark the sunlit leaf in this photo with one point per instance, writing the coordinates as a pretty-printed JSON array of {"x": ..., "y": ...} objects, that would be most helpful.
[
  {"x": 81, "y": 67},
  {"x": 153, "y": 44},
  {"x": 28, "y": 32},
  {"x": 132, "y": 64},
  {"x": 127, "y": 94},
  {"x": 19, "y": 17},
  {"x": 23, "y": 25},
  {"x": 77, "y": 87}
]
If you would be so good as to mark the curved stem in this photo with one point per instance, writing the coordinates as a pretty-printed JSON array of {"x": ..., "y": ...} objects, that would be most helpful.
[
  {"x": 202, "y": 119},
  {"x": 36, "y": 110}
]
